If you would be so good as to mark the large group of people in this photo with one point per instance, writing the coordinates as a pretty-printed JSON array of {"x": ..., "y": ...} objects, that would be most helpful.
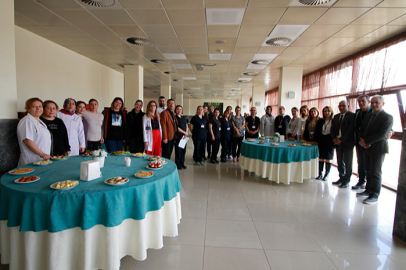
[{"x": 47, "y": 131}]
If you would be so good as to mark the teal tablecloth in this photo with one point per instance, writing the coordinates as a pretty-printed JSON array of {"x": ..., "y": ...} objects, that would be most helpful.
[
  {"x": 37, "y": 207},
  {"x": 281, "y": 153}
]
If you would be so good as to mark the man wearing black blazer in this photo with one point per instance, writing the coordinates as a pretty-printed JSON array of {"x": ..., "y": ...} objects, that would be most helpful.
[
  {"x": 374, "y": 130},
  {"x": 342, "y": 133}
]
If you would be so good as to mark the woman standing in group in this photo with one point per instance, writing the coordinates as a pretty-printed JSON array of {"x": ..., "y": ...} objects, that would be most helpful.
[
  {"x": 252, "y": 124},
  {"x": 114, "y": 125},
  {"x": 33, "y": 135},
  {"x": 94, "y": 121},
  {"x": 199, "y": 135},
  {"x": 225, "y": 135},
  {"x": 230, "y": 144},
  {"x": 80, "y": 110},
  {"x": 268, "y": 123},
  {"x": 152, "y": 131},
  {"x": 215, "y": 134},
  {"x": 295, "y": 125},
  {"x": 238, "y": 122},
  {"x": 134, "y": 134},
  {"x": 60, "y": 142},
  {"x": 310, "y": 126},
  {"x": 74, "y": 126},
  {"x": 325, "y": 142},
  {"x": 181, "y": 133}
]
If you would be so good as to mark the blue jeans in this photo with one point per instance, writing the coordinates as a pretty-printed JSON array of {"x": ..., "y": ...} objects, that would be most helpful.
[{"x": 113, "y": 145}]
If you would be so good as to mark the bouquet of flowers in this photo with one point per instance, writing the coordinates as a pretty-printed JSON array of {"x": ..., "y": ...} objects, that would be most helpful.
[
  {"x": 98, "y": 153},
  {"x": 277, "y": 135}
]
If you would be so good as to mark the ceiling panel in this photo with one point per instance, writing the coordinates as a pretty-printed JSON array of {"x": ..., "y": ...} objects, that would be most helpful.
[
  {"x": 190, "y": 30},
  {"x": 222, "y": 30},
  {"x": 113, "y": 17},
  {"x": 128, "y": 30},
  {"x": 141, "y": 4},
  {"x": 255, "y": 30},
  {"x": 79, "y": 17},
  {"x": 269, "y": 3},
  {"x": 380, "y": 16},
  {"x": 399, "y": 21},
  {"x": 226, "y": 3},
  {"x": 183, "y": 3},
  {"x": 187, "y": 16},
  {"x": 43, "y": 17},
  {"x": 358, "y": 3},
  {"x": 392, "y": 3},
  {"x": 262, "y": 15},
  {"x": 353, "y": 30},
  {"x": 149, "y": 16},
  {"x": 341, "y": 15},
  {"x": 303, "y": 15},
  {"x": 322, "y": 30}
]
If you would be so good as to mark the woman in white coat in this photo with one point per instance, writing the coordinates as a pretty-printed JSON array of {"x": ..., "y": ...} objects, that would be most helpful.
[
  {"x": 74, "y": 126},
  {"x": 33, "y": 135},
  {"x": 152, "y": 130}
]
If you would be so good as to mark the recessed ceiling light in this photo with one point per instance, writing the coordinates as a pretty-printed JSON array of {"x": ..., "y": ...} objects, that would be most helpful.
[
  {"x": 221, "y": 42},
  {"x": 260, "y": 62},
  {"x": 159, "y": 61},
  {"x": 254, "y": 66},
  {"x": 284, "y": 32},
  {"x": 189, "y": 78},
  {"x": 182, "y": 66},
  {"x": 99, "y": 3},
  {"x": 312, "y": 3},
  {"x": 223, "y": 56},
  {"x": 235, "y": 89},
  {"x": 224, "y": 16},
  {"x": 139, "y": 41},
  {"x": 244, "y": 80},
  {"x": 175, "y": 56}
]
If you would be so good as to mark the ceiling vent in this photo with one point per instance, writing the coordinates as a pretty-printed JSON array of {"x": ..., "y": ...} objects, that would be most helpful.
[
  {"x": 260, "y": 62},
  {"x": 139, "y": 41},
  {"x": 169, "y": 72},
  {"x": 98, "y": 4},
  {"x": 159, "y": 61},
  {"x": 250, "y": 74},
  {"x": 279, "y": 41},
  {"x": 284, "y": 35},
  {"x": 312, "y": 3},
  {"x": 202, "y": 66}
]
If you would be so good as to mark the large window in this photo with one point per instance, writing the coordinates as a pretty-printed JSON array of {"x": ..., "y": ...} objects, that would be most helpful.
[{"x": 272, "y": 99}]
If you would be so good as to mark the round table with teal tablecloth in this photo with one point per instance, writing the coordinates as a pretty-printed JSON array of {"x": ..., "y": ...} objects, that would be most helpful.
[
  {"x": 280, "y": 163},
  {"x": 91, "y": 226}
]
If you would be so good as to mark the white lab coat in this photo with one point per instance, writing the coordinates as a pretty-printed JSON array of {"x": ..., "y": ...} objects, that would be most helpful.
[
  {"x": 76, "y": 133},
  {"x": 30, "y": 128},
  {"x": 148, "y": 133}
]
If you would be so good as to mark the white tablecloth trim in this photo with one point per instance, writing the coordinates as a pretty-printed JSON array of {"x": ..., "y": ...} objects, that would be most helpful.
[
  {"x": 97, "y": 248},
  {"x": 285, "y": 173}
]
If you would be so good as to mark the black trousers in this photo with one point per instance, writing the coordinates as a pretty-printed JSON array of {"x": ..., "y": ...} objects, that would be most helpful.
[
  {"x": 93, "y": 145},
  {"x": 373, "y": 168},
  {"x": 199, "y": 148},
  {"x": 230, "y": 148},
  {"x": 225, "y": 147},
  {"x": 361, "y": 164},
  {"x": 209, "y": 145},
  {"x": 136, "y": 145},
  {"x": 344, "y": 162},
  {"x": 237, "y": 141},
  {"x": 179, "y": 153},
  {"x": 215, "y": 149},
  {"x": 167, "y": 148}
]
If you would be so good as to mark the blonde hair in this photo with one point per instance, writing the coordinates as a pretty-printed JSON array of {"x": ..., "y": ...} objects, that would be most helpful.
[
  {"x": 30, "y": 101},
  {"x": 148, "y": 112},
  {"x": 197, "y": 109},
  {"x": 330, "y": 109},
  {"x": 310, "y": 118}
]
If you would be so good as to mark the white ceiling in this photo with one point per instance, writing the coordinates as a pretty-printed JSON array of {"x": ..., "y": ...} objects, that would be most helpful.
[{"x": 185, "y": 32}]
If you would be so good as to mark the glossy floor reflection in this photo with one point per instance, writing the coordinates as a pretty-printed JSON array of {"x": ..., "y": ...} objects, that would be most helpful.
[{"x": 233, "y": 219}]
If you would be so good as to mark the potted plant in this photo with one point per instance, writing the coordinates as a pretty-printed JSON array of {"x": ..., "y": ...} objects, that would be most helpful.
[
  {"x": 276, "y": 137},
  {"x": 99, "y": 155}
]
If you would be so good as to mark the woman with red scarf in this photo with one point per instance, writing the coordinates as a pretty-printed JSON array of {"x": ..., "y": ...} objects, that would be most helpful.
[{"x": 74, "y": 126}]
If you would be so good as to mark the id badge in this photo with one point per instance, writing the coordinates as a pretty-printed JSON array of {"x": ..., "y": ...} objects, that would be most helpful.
[
  {"x": 219, "y": 128},
  {"x": 312, "y": 132},
  {"x": 253, "y": 127},
  {"x": 148, "y": 128},
  {"x": 202, "y": 126},
  {"x": 228, "y": 128},
  {"x": 279, "y": 126}
]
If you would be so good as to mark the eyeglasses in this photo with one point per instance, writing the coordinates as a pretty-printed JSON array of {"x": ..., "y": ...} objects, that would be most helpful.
[{"x": 152, "y": 105}]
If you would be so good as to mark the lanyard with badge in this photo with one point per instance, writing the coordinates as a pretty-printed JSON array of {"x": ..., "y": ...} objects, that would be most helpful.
[{"x": 280, "y": 123}]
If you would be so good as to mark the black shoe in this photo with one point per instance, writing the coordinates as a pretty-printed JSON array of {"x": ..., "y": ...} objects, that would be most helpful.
[
  {"x": 223, "y": 160},
  {"x": 364, "y": 194},
  {"x": 372, "y": 199},
  {"x": 216, "y": 161},
  {"x": 343, "y": 185},
  {"x": 184, "y": 167},
  {"x": 319, "y": 177},
  {"x": 338, "y": 182},
  {"x": 325, "y": 177},
  {"x": 358, "y": 186},
  {"x": 213, "y": 161},
  {"x": 179, "y": 167}
]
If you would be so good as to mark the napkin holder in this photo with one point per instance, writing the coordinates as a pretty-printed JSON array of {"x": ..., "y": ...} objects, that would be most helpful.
[
  {"x": 282, "y": 138},
  {"x": 90, "y": 170}
]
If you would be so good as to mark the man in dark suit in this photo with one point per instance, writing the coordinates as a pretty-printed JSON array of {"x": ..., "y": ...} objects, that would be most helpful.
[
  {"x": 342, "y": 133},
  {"x": 373, "y": 139},
  {"x": 364, "y": 109}
]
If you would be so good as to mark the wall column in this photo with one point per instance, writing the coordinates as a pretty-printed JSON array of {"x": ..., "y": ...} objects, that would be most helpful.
[
  {"x": 133, "y": 85},
  {"x": 244, "y": 104},
  {"x": 166, "y": 91},
  {"x": 258, "y": 100},
  {"x": 8, "y": 81},
  {"x": 290, "y": 80},
  {"x": 179, "y": 99}
]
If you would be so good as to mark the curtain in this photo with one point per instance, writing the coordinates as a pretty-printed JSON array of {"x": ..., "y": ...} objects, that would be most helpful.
[{"x": 272, "y": 99}]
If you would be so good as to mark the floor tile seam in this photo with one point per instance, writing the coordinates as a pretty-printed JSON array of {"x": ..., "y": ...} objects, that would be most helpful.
[
  {"x": 400, "y": 266},
  {"x": 251, "y": 248},
  {"x": 177, "y": 244}
]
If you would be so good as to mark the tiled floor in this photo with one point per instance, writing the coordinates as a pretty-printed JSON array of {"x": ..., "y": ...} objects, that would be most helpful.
[{"x": 233, "y": 219}]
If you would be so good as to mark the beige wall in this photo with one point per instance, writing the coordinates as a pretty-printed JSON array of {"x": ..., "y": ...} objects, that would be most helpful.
[
  {"x": 8, "y": 88},
  {"x": 50, "y": 71},
  {"x": 193, "y": 103}
]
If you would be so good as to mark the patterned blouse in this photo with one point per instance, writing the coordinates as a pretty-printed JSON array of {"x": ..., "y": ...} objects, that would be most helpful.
[
  {"x": 311, "y": 127},
  {"x": 238, "y": 122}
]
